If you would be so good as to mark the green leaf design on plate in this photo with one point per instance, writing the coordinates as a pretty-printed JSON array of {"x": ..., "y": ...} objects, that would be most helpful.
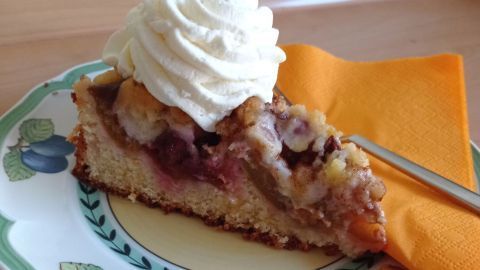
[
  {"x": 78, "y": 266},
  {"x": 15, "y": 169},
  {"x": 35, "y": 130},
  {"x": 89, "y": 203}
]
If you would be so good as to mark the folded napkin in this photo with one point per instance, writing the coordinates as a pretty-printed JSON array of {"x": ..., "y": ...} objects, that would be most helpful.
[{"x": 417, "y": 108}]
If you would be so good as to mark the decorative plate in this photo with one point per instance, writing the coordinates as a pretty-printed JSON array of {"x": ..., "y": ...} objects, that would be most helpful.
[{"x": 50, "y": 221}]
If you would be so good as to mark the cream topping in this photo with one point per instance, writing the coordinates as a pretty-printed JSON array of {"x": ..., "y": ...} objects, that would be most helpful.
[{"x": 204, "y": 56}]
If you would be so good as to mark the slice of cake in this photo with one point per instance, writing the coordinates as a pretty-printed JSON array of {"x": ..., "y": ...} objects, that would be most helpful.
[{"x": 186, "y": 122}]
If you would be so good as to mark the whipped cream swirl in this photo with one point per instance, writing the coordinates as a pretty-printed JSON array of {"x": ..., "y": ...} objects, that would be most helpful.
[{"x": 204, "y": 56}]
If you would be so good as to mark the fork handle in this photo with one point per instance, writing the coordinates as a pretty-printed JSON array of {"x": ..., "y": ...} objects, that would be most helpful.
[{"x": 460, "y": 194}]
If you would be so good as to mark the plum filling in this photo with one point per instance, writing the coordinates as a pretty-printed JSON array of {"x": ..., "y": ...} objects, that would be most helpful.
[
  {"x": 181, "y": 159},
  {"x": 174, "y": 154}
]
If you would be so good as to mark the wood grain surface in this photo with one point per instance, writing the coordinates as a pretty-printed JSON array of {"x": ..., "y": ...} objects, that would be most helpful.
[{"x": 41, "y": 38}]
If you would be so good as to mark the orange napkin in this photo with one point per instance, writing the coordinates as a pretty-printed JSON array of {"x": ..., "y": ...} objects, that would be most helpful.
[{"x": 417, "y": 108}]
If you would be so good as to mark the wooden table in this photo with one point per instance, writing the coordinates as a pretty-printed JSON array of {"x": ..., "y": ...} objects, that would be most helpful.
[{"x": 41, "y": 38}]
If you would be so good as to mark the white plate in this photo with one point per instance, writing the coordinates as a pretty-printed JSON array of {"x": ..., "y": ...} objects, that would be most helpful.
[{"x": 49, "y": 221}]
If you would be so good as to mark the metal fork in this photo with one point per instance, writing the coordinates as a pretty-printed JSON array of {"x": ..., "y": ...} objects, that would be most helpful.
[{"x": 463, "y": 196}]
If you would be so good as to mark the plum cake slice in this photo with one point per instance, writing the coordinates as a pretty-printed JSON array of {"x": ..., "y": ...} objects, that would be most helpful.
[{"x": 274, "y": 172}]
